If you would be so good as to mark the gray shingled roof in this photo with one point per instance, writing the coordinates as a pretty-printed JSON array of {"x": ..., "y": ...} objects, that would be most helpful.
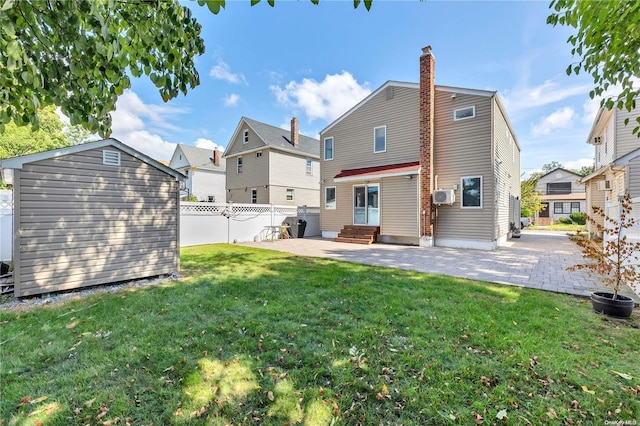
[
  {"x": 277, "y": 137},
  {"x": 202, "y": 158}
]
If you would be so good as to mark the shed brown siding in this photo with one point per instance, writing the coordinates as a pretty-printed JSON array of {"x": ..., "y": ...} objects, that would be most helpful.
[
  {"x": 353, "y": 146},
  {"x": 463, "y": 148},
  {"x": 81, "y": 223}
]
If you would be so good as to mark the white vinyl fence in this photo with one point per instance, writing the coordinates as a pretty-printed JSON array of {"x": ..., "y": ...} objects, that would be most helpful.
[
  {"x": 210, "y": 223},
  {"x": 6, "y": 224}
]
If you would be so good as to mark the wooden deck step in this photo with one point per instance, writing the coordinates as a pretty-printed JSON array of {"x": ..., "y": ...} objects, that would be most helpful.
[
  {"x": 366, "y": 241},
  {"x": 358, "y": 234}
]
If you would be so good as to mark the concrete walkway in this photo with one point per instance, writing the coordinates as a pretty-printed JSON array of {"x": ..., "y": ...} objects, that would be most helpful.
[{"x": 536, "y": 260}]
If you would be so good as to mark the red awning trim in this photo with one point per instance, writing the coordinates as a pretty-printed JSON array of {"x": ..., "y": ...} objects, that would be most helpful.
[{"x": 378, "y": 172}]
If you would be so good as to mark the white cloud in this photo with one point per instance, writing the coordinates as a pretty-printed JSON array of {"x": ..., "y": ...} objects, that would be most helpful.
[
  {"x": 140, "y": 125},
  {"x": 559, "y": 119},
  {"x": 591, "y": 107},
  {"x": 222, "y": 71},
  {"x": 578, "y": 164},
  {"x": 549, "y": 92},
  {"x": 207, "y": 144},
  {"x": 327, "y": 99},
  {"x": 231, "y": 100}
]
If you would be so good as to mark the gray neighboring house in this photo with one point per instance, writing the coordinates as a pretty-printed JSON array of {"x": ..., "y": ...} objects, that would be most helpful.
[
  {"x": 205, "y": 170},
  {"x": 91, "y": 214},
  {"x": 562, "y": 193},
  {"x": 270, "y": 165},
  {"x": 418, "y": 163},
  {"x": 617, "y": 154}
]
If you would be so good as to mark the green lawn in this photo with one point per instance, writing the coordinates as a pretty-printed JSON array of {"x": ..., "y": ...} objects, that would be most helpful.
[{"x": 259, "y": 337}]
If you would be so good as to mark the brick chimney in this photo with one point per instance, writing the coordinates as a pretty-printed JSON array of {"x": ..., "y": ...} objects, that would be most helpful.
[
  {"x": 427, "y": 101},
  {"x": 216, "y": 157},
  {"x": 295, "y": 132}
]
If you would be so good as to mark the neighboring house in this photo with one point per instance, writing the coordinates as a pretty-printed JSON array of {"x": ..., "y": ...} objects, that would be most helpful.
[
  {"x": 91, "y": 214},
  {"x": 562, "y": 193},
  {"x": 205, "y": 171},
  {"x": 270, "y": 165},
  {"x": 617, "y": 154},
  {"x": 421, "y": 164}
]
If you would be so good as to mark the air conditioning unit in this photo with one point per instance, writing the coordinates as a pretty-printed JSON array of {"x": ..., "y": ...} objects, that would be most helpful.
[
  {"x": 444, "y": 196},
  {"x": 604, "y": 185}
]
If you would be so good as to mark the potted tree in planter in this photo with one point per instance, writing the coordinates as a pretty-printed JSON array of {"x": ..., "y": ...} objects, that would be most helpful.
[{"x": 615, "y": 260}]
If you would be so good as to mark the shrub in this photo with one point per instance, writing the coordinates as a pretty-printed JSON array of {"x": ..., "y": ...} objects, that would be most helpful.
[
  {"x": 565, "y": 221},
  {"x": 578, "y": 218}
]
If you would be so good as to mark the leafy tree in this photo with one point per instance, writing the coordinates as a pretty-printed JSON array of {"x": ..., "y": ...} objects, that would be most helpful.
[
  {"x": 586, "y": 170},
  {"x": 530, "y": 202},
  {"x": 78, "y": 55},
  {"x": 607, "y": 44},
  {"x": 21, "y": 140},
  {"x": 53, "y": 133}
]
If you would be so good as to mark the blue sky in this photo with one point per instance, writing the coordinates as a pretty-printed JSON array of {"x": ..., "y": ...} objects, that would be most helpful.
[{"x": 317, "y": 61}]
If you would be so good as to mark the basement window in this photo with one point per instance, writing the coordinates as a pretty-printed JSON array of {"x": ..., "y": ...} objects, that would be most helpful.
[
  {"x": 464, "y": 113},
  {"x": 110, "y": 158}
]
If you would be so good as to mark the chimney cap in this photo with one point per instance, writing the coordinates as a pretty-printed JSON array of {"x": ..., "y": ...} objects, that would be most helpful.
[{"x": 426, "y": 50}]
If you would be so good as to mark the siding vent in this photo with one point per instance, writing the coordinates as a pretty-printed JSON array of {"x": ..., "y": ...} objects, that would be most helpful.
[
  {"x": 389, "y": 93},
  {"x": 110, "y": 158}
]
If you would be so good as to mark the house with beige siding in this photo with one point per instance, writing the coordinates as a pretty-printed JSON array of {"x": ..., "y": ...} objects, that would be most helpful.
[
  {"x": 561, "y": 193},
  {"x": 270, "y": 165},
  {"x": 617, "y": 158},
  {"x": 91, "y": 214},
  {"x": 205, "y": 171},
  {"x": 421, "y": 164}
]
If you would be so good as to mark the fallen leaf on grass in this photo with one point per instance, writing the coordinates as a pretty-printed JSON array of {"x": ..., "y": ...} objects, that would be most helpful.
[
  {"x": 586, "y": 389},
  {"x": 623, "y": 375},
  {"x": 73, "y": 324},
  {"x": 502, "y": 415},
  {"x": 270, "y": 396},
  {"x": 552, "y": 413}
]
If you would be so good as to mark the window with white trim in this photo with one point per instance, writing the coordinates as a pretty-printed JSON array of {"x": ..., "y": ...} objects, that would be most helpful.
[
  {"x": 290, "y": 194},
  {"x": 245, "y": 136},
  {"x": 330, "y": 198},
  {"x": 239, "y": 165},
  {"x": 464, "y": 113},
  {"x": 309, "y": 166},
  {"x": 471, "y": 192},
  {"x": 566, "y": 207},
  {"x": 254, "y": 196},
  {"x": 328, "y": 148},
  {"x": 380, "y": 139}
]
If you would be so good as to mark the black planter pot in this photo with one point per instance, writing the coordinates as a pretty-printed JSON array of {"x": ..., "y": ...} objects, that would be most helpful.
[{"x": 603, "y": 302}]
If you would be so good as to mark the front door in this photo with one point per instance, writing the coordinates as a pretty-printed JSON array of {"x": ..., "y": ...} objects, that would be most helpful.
[
  {"x": 545, "y": 210},
  {"x": 366, "y": 205}
]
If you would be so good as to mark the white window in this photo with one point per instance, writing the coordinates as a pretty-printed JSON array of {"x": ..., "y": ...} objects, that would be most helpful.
[
  {"x": 239, "y": 165},
  {"x": 380, "y": 139},
  {"x": 289, "y": 194},
  {"x": 111, "y": 158},
  {"x": 245, "y": 136},
  {"x": 330, "y": 198},
  {"x": 471, "y": 192},
  {"x": 258, "y": 154},
  {"x": 328, "y": 148},
  {"x": 254, "y": 196},
  {"x": 309, "y": 166},
  {"x": 463, "y": 113}
]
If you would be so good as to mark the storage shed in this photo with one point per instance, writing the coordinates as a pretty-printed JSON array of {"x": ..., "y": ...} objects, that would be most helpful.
[{"x": 90, "y": 214}]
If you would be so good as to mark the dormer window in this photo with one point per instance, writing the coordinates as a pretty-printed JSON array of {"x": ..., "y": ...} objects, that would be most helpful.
[{"x": 245, "y": 136}]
